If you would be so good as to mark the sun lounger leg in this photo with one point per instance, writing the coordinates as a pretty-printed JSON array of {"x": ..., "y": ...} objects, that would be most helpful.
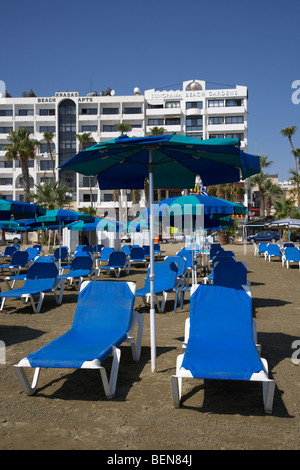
[
  {"x": 21, "y": 374},
  {"x": 39, "y": 305},
  {"x": 2, "y": 303},
  {"x": 136, "y": 346},
  {"x": 165, "y": 294},
  {"x": 268, "y": 395},
  {"x": 116, "y": 352},
  {"x": 175, "y": 386}
]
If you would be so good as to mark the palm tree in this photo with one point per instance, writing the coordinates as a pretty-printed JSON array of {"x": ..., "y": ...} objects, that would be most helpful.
[
  {"x": 52, "y": 195},
  {"x": 123, "y": 128},
  {"x": 289, "y": 132},
  {"x": 48, "y": 136},
  {"x": 22, "y": 148},
  {"x": 285, "y": 208},
  {"x": 157, "y": 130},
  {"x": 271, "y": 190},
  {"x": 83, "y": 140}
]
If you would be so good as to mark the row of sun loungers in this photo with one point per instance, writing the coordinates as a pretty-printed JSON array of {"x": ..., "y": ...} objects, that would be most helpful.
[
  {"x": 220, "y": 333},
  {"x": 289, "y": 254}
]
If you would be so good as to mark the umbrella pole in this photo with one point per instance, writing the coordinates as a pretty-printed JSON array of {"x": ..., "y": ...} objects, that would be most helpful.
[
  {"x": 59, "y": 237},
  {"x": 152, "y": 305}
]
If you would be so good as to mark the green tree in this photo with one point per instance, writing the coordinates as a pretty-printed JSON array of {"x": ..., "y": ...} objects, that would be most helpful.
[
  {"x": 22, "y": 148},
  {"x": 52, "y": 195},
  {"x": 123, "y": 128},
  {"x": 157, "y": 130},
  {"x": 48, "y": 136},
  {"x": 289, "y": 132},
  {"x": 285, "y": 208},
  {"x": 84, "y": 139}
]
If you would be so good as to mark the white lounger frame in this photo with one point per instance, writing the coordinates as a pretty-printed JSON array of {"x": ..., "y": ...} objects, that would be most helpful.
[
  {"x": 60, "y": 284},
  {"x": 108, "y": 385}
]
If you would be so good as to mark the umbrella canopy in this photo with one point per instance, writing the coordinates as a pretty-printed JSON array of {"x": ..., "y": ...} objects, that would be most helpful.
[
  {"x": 177, "y": 158},
  {"x": 169, "y": 161},
  {"x": 285, "y": 223},
  {"x": 19, "y": 210},
  {"x": 62, "y": 215}
]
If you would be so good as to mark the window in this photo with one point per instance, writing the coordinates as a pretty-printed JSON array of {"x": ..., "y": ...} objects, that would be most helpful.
[
  {"x": 155, "y": 122},
  {"x": 234, "y": 119},
  {"x": 86, "y": 182},
  {"x": 196, "y": 135},
  {"x": 47, "y": 112},
  {"x": 172, "y": 104},
  {"x": 6, "y": 181},
  {"x": 109, "y": 128},
  {"x": 6, "y": 164},
  {"x": 46, "y": 165},
  {"x": 25, "y": 112},
  {"x": 91, "y": 128},
  {"x": 215, "y": 103},
  {"x": 216, "y": 136},
  {"x": 5, "y": 130},
  {"x": 194, "y": 123},
  {"x": 235, "y": 135},
  {"x": 132, "y": 110},
  {"x": 47, "y": 129},
  {"x": 172, "y": 122},
  {"x": 110, "y": 111},
  {"x": 216, "y": 120},
  {"x": 30, "y": 164},
  {"x": 89, "y": 111},
  {"x": 44, "y": 147},
  {"x": 108, "y": 197},
  {"x": 194, "y": 104},
  {"x": 87, "y": 197},
  {"x": 234, "y": 102},
  {"x": 5, "y": 112}
]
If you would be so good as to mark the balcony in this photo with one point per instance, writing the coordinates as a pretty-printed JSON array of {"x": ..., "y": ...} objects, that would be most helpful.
[{"x": 163, "y": 112}]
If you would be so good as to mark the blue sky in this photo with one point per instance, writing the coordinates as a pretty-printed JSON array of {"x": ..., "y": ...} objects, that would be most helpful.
[{"x": 91, "y": 45}]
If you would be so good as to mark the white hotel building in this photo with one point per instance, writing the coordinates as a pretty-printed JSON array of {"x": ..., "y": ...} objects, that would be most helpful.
[{"x": 195, "y": 109}]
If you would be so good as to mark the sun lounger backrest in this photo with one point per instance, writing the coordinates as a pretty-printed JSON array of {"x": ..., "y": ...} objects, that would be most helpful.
[
  {"x": 230, "y": 274},
  {"x": 292, "y": 253},
  {"x": 179, "y": 260},
  {"x": 82, "y": 262},
  {"x": 273, "y": 249},
  {"x": 165, "y": 275},
  {"x": 42, "y": 273},
  {"x": 63, "y": 253},
  {"x": 32, "y": 252},
  {"x": 117, "y": 302},
  {"x": 117, "y": 258},
  {"x": 188, "y": 255},
  {"x": 88, "y": 249},
  {"x": 105, "y": 253},
  {"x": 10, "y": 250},
  {"x": 126, "y": 249},
  {"x": 19, "y": 258},
  {"x": 137, "y": 253}
]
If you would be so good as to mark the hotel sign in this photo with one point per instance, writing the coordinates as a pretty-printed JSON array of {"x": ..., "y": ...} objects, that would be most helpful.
[
  {"x": 66, "y": 94},
  {"x": 179, "y": 95}
]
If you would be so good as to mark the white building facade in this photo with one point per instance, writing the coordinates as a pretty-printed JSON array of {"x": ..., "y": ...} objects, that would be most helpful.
[{"x": 194, "y": 109}]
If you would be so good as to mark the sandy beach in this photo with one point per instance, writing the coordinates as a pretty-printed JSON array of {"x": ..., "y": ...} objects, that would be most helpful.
[{"x": 70, "y": 410}]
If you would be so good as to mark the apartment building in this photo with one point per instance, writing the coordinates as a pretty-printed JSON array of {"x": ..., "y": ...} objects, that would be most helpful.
[{"x": 195, "y": 108}]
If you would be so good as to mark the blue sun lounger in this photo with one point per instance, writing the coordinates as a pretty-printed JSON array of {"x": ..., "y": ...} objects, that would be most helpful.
[
  {"x": 137, "y": 256},
  {"x": 41, "y": 279},
  {"x": 81, "y": 266},
  {"x": 117, "y": 261},
  {"x": 273, "y": 251},
  {"x": 220, "y": 344},
  {"x": 104, "y": 319},
  {"x": 19, "y": 260},
  {"x": 9, "y": 251},
  {"x": 291, "y": 255},
  {"x": 164, "y": 282},
  {"x": 105, "y": 254}
]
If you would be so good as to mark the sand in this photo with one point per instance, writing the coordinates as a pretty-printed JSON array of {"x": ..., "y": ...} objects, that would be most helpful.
[{"x": 70, "y": 411}]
